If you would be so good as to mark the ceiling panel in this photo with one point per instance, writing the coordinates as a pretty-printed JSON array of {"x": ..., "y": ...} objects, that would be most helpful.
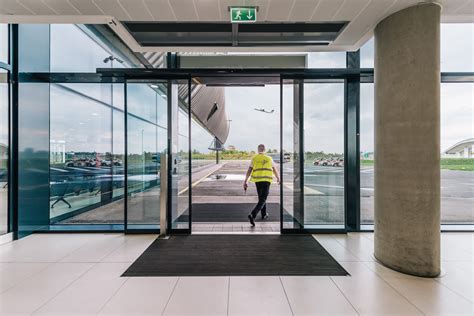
[
  {"x": 38, "y": 7},
  {"x": 160, "y": 10},
  {"x": 137, "y": 10},
  {"x": 279, "y": 10},
  {"x": 303, "y": 10},
  {"x": 13, "y": 7},
  {"x": 184, "y": 10},
  {"x": 61, "y": 7},
  {"x": 208, "y": 10},
  {"x": 225, "y": 4},
  {"x": 86, "y": 7},
  {"x": 467, "y": 8},
  {"x": 350, "y": 9},
  {"x": 113, "y": 8},
  {"x": 451, "y": 6},
  {"x": 364, "y": 22},
  {"x": 263, "y": 7},
  {"x": 326, "y": 9}
]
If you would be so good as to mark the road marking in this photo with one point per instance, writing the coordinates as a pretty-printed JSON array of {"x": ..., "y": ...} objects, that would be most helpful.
[
  {"x": 200, "y": 180},
  {"x": 326, "y": 186},
  {"x": 307, "y": 190}
]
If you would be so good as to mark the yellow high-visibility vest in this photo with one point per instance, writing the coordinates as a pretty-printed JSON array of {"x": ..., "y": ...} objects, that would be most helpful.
[{"x": 262, "y": 168}]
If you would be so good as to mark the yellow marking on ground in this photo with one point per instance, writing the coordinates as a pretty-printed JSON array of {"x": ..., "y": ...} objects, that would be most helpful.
[{"x": 200, "y": 180}]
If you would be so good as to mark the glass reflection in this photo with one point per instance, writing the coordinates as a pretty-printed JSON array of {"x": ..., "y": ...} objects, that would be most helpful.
[
  {"x": 4, "y": 143},
  {"x": 4, "y": 43},
  {"x": 147, "y": 143},
  {"x": 86, "y": 155}
]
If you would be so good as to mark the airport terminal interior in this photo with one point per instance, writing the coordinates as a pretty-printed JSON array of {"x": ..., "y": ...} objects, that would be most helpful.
[{"x": 127, "y": 128}]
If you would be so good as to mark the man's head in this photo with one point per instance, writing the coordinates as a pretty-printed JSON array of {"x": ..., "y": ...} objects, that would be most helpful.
[{"x": 261, "y": 148}]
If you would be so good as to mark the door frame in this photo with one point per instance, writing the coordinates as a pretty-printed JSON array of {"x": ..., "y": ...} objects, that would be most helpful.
[{"x": 350, "y": 76}]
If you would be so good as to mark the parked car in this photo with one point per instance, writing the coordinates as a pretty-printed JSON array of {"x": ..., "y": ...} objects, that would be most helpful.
[{"x": 338, "y": 163}]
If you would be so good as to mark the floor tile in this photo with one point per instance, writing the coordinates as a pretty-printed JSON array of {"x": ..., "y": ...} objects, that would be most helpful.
[
  {"x": 88, "y": 294},
  {"x": 141, "y": 296},
  {"x": 199, "y": 296},
  {"x": 336, "y": 249},
  {"x": 315, "y": 295},
  {"x": 257, "y": 296},
  {"x": 131, "y": 249},
  {"x": 43, "y": 247},
  {"x": 431, "y": 297},
  {"x": 13, "y": 273},
  {"x": 95, "y": 250},
  {"x": 39, "y": 289},
  {"x": 371, "y": 295}
]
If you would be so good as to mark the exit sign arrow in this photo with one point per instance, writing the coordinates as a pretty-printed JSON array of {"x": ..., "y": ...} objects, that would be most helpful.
[{"x": 243, "y": 14}]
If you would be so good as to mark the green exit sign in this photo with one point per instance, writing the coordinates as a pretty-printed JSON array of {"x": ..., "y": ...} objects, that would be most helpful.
[{"x": 243, "y": 14}]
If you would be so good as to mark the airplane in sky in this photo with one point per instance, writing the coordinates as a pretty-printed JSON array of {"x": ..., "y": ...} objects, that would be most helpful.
[{"x": 264, "y": 111}]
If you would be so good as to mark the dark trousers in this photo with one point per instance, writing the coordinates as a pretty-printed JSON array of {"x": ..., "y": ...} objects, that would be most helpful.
[{"x": 263, "y": 188}]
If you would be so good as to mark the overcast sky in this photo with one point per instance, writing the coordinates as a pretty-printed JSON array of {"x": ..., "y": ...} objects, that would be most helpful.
[{"x": 324, "y": 102}]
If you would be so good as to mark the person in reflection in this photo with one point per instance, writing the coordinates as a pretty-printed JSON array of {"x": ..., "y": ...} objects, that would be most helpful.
[{"x": 261, "y": 171}]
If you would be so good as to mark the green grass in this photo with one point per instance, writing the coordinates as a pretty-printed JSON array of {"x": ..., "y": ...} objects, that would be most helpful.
[
  {"x": 466, "y": 164},
  {"x": 364, "y": 162}
]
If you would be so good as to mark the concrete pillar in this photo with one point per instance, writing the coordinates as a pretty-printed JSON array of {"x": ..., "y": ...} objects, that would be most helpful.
[{"x": 407, "y": 140}]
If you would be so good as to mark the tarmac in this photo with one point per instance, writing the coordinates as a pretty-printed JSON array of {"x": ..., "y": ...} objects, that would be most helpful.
[{"x": 323, "y": 201}]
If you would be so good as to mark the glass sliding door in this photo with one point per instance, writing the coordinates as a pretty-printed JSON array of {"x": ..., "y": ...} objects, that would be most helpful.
[
  {"x": 180, "y": 162},
  {"x": 158, "y": 129},
  {"x": 291, "y": 197},
  {"x": 147, "y": 135},
  {"x": 313, "y": 190}
]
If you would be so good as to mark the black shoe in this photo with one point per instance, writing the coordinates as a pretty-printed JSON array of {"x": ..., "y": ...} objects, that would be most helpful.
[
  {"x": 265, "y": 216},
  {"x": 252, "y": 220}
]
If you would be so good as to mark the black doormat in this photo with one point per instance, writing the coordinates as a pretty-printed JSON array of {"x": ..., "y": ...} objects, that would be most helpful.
[
  {"x": 233, "y": 255},
  {"x": 230, "y": 212}
]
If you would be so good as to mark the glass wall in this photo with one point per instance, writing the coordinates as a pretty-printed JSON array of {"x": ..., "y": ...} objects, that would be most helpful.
[
  {"x": 457, "y": 47},
  {"x": 87, "y": 133},
  {"x": 367, "y": 153},
  {"x": 4, "y": 128},
  {"x": 73, "y": 50},
  {"x": 4, "y": 43},
  {"x": 327, "y": 60},
  {"x": 4, "y": 144},
  {"x": 84, "y": 174},
  {"x": 457, "y": 153},
  {"x": 323, "y": 154}
]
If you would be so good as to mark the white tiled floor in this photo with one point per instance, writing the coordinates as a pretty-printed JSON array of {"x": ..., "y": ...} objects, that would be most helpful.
[{"x": 79, "y": 274}]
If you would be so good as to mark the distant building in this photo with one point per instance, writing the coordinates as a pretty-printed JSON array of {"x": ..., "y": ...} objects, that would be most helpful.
[
  {"x": 3, "y": 156},
  {"x": 57, "y": 151},
  {"x": 462, "y": 149},
  {"x": 368, "y": 155}
]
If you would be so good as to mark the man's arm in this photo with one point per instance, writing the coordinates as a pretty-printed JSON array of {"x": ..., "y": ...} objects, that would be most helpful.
[
  {"x": 247, "y": 175},
  {"x": 277, "y": 175}
]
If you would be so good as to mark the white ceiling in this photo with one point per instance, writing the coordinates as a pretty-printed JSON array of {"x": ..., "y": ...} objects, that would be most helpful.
[{"x": 362, "y": 14}]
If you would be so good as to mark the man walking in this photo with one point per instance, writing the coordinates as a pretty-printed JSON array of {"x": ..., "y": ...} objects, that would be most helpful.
[{"x": 261, "y": 171}]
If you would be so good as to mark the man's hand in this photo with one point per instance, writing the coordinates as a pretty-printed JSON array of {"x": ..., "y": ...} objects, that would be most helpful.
[
  {"x": 278, "y": 180},
  {"x": 245, "y": 186}
]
